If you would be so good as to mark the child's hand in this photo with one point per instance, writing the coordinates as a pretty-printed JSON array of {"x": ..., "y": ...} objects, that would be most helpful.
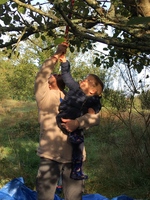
[
  {"x": 70, "y": 124},
  {"x": 62, "y": 58}
]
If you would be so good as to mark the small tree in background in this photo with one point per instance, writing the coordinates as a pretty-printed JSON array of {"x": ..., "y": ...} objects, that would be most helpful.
[
  {"x": 21, "y": 81},
  {"x": 145, "y": 99}
]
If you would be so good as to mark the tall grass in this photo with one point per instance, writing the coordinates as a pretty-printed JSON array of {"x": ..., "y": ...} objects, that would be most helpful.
[
  {"x": 117, "y": 162},
  {"x": 19, "y": 131}
]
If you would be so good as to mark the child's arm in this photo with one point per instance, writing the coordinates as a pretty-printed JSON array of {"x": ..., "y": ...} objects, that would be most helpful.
[{"x": 66, "y": 75}]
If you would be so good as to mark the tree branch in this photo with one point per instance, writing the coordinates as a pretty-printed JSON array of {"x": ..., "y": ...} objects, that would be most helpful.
[
  {"x": 82, "y": 32},
  {"x": 30, "y": 7}
]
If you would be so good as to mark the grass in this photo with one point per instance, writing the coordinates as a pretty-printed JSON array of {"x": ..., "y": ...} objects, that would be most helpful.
[
  {"x": 18, "y": 141},
  {"x": 117, "y": 161}
]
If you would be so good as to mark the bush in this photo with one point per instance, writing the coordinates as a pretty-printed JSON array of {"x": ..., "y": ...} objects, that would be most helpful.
[
  {"x": 145, "y": 100},
  {"x": 115, "y": 99}
]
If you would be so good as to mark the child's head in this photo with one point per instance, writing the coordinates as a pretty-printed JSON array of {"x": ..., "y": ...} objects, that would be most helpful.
[
  {"x": 92, "y": 85},
  {"x": 56, "y": 82}
]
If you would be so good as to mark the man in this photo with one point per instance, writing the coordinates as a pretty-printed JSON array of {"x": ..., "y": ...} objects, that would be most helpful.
[{"x": 55, "y": 151}]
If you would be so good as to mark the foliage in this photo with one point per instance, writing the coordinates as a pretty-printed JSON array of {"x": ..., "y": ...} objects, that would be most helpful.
[
  {"x": 19, "y": 138},
  {"x": 5, "y": 67},
  {"x": 122, "y": 25},
  {"x": 19, "y": 71},
  {"x": 130, "y": 58},
  {"x": 21, "y": 81},
  {"x": 81, "y": 66},
  {"x": 145, "y": 99},
  {"x": 39, "y": 49},
  {"x": 121, "y": 150},
  {"x": 115, "y": 99},
  {"x": 3, "y": 90},
  {"x": 20, "y": 75},
  {"x": 113, "y": 164},
  {"x": 117, "y": 154}
]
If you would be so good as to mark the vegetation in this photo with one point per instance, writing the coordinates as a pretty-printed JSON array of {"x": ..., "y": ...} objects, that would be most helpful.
[
  {"x": 118, "y": 152},
  {"x": 121, "y": 25},
  {"x": 145, "y": 99},
  {"x": 19, "y": 131}
]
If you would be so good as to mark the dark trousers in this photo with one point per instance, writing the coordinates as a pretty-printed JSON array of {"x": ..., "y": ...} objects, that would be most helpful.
[{"x": 48, "y": 175}]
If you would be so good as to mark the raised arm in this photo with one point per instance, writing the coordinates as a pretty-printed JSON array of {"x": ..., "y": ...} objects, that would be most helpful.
[
  {"x": 66, "y": 75},
  {"x": 46, "y": 69}
]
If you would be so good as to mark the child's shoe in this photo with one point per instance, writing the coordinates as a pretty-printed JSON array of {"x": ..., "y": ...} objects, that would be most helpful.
[{"x": 78, "y": 175}]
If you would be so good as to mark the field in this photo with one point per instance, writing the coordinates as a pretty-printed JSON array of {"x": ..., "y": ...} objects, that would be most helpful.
[{"x": 118, "y": 152}]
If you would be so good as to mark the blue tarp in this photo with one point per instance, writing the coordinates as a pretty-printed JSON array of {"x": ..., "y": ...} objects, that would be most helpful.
[{"x": 16, "y": 190}]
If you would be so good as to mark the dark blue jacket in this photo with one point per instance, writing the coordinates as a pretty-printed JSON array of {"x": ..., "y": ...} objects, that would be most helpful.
[{"x": 75, "y": 103}]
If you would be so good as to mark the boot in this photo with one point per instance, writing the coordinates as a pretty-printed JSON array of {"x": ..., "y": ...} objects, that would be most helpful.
[{"x": 77, "y": 173}]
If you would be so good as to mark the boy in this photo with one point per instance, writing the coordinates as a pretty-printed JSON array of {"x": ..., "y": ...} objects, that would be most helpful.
[{"x": 82, "y": 97}]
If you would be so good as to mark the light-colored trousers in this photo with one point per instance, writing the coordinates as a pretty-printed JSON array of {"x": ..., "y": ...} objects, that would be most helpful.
[{"x": 47, "y": 178}]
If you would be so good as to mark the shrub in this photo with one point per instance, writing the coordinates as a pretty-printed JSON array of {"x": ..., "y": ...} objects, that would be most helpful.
[{"x": 145, "y": 99}]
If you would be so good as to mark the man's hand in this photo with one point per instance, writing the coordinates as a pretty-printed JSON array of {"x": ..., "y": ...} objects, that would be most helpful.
[
  {"x": 62, "y": 48},
  {"x": 70, "y": 124}
]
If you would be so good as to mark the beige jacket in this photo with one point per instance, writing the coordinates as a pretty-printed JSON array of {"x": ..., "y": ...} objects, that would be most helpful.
[{"x": 53, "y": 144}]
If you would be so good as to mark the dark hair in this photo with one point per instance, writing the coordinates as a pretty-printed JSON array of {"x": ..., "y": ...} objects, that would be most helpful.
[{"x": 60, "y": 82}]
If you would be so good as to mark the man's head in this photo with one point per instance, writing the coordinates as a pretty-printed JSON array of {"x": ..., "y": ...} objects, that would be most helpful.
[
  {"x": 55, "y": 82},
  {"x": 92, "y": 85}
]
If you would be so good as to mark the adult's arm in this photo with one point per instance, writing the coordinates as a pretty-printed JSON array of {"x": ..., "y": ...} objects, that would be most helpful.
[
  {"x": 84, "y": 122},
  {"x": 43, "y": 75},
  {"x": 89, "y": 120},
  {"x": 41, "y": 85}
]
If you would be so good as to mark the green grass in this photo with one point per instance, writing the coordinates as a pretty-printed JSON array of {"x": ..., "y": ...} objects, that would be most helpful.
[
  {"x": 115, "y": 163},
  {"x": 118, "y": 156},
  {"x": 19, "y": 132}
]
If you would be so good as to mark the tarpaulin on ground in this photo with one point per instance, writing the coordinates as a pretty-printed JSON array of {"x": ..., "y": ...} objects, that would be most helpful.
[{"x": 17, "y": 190}]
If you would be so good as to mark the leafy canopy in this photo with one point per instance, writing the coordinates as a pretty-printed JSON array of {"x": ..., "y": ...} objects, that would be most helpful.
[{"x": 122, "y": 25}]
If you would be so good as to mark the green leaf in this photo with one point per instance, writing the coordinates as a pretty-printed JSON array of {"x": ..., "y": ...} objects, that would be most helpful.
[
  {"x": 102, "y": 57},
  {"x": 43, "y": 38},
  {"x": 21, "y": 9},
  {"x": 3, "y": 1},
  {"x": 14, "y": 5},
  {"x": 59, "y": 41},
  {"x": 16, "y": 18},
  {"x": 37, "y": 35},
  {"x": 71, "y": 49},
  {"x": 39, "y": 19},
  {"x": 105, "y": 49},
  {"x": 7, "y": 19},
  {"x": 1, "y": 41}
]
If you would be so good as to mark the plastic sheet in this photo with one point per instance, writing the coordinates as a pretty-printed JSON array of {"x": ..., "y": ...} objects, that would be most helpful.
[{"x": 17, "y": 190}]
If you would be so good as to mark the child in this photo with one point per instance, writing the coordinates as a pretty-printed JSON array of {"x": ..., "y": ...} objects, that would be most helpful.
[{"x": 82, "y": 97}]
